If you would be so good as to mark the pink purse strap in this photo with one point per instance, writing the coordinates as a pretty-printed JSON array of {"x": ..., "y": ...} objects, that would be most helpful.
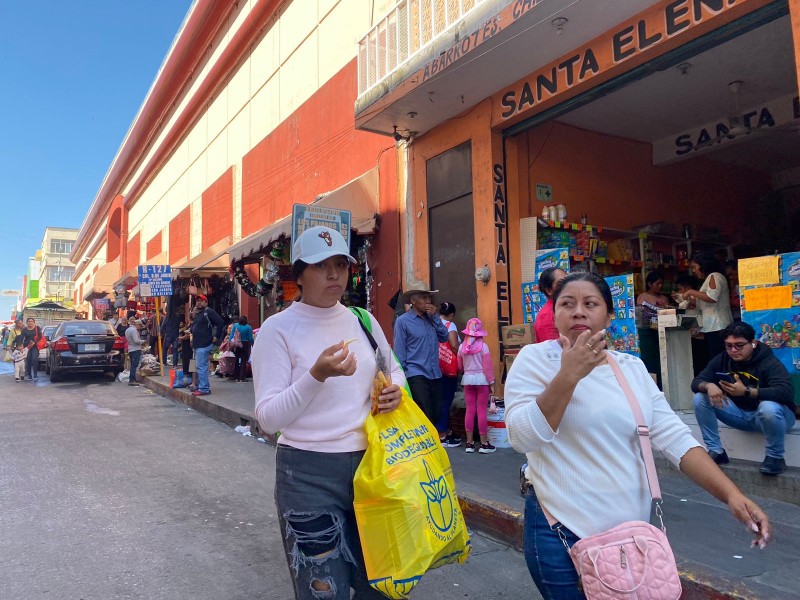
[{"x": 642, "y": 430}]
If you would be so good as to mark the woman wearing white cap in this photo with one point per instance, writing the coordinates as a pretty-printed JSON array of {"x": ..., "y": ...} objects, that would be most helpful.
[{"x": 313, "y": 386}]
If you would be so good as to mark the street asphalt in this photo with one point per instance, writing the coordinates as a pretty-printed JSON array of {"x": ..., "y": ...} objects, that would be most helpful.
[
  {"x": 113, "y": 492},
  {"x": 711, "y": 548}
]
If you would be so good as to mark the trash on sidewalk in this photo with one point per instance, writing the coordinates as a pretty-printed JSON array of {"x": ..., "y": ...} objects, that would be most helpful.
[
  {"x": 149, "y": 365},
  {"x": 124, "y": 376},
  {"x": 244, "y": 430}
]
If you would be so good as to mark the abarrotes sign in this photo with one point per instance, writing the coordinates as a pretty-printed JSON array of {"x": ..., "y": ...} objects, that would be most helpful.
[{"x": 155, "y": 280}]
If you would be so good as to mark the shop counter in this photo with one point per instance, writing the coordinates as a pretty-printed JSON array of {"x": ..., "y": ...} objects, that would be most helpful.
[{"x": 675, "y": 345}]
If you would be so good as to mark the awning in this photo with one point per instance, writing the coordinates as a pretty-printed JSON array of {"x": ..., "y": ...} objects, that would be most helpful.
[
  {"x": 212, "y": 259},
  {"x": 102, "y": 282},
  {"x": 131, "y": 277},
  {"x": 359, "y": 196}
]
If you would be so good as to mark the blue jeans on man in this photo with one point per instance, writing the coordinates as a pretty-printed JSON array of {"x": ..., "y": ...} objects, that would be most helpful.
[
  {"x": 201, "y": 356},
  {"x": 772, "y": 419},
  {"x": 136, "y": 357}
]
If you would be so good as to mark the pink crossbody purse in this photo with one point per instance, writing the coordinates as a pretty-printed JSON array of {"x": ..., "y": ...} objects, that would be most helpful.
[{"x": 634, "y": 559}]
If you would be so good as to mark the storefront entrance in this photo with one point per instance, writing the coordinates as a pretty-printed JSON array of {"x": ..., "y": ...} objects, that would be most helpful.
[{"x": 701, "y": 155}]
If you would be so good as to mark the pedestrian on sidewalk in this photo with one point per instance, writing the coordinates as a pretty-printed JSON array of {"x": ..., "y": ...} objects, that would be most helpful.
[
  {"x": 207, "y": 329},
  {"x": 169, "y": 335},
  {"x": 566, "y": 410},
  {"x": 747, "y": 388},
  {"x": 185, "y": 341},
  {"x": 314, "y": 388},
  {"x": 475, "y": 361},
  {"x": 19, "y": 355},
  {"x": 241, "y": 344},
  {"x": 14, "y": 336},
  {"x": 135, "y": 341},
  {"x": 31, "y": 336},
  {"x": 417, "y": 334},
  {"x": 544, "y": 327},
  {"x": 447, "y": 313}
]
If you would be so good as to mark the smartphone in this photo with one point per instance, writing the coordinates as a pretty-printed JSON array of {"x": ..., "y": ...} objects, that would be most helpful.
[{"x": 727, "y": 377}]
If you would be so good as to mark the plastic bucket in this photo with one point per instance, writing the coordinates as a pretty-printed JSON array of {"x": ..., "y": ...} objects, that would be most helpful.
[{"x": 498, "y": 434}]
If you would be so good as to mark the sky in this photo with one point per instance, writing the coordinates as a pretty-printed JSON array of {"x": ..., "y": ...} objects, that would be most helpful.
[{"x": 73, "y": 75}]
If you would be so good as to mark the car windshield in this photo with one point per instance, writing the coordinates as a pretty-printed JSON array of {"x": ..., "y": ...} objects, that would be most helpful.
[{"x": 98, "y": 328}]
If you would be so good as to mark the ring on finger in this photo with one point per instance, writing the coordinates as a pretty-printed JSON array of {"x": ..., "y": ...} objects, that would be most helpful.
[
  {"x": 588, "y": 344},
  {"x": 593, "y": 350}
]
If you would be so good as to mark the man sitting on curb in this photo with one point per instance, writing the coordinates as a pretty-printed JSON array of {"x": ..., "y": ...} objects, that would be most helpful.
[{"x": 757, "y": 397}]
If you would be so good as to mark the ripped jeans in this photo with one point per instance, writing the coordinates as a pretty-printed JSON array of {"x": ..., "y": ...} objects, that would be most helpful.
[{"x": 314, "y": 498}]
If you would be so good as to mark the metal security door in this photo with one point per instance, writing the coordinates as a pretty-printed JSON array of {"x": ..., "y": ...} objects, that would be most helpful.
[{"x": 451, "y": 230}]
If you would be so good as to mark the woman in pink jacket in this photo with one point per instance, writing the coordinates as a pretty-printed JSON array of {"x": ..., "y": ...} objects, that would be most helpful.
[{"x": 475, "y": 362}]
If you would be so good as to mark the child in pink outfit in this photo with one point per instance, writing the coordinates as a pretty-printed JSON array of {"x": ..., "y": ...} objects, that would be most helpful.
[{"x": 475, "y": 362}]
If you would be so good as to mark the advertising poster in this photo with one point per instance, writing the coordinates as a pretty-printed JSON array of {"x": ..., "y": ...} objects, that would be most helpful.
[
  {"x": 532, "y": 299},
  {"x": 774, "y": 310},
  {"x": 622, "y": 333}
]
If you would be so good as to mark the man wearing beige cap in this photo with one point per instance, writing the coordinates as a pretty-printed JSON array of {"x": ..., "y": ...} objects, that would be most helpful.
[{"x": 417, "y": 334}]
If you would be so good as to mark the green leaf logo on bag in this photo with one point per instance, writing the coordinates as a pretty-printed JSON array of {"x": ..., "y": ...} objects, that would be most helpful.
[{"x": 440, "y": 502}]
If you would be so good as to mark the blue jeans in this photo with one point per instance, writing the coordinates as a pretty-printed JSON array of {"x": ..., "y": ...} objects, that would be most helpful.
[
  {"x": 314, "y": 498},
  {"x": 201, "y": 359},
  {"x": 32, "y": 363},
  {"x": 771, "y": 418},
  {"x": 449, "y": 386},
  {"x": 547, "y": 558},
  {"x": 135, "y": 356}
]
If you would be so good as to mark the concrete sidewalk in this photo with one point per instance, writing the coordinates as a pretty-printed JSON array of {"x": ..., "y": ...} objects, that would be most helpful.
[{"x": 712, "y": 549}]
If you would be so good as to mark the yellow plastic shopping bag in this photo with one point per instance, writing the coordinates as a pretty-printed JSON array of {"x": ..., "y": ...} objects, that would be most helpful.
[{"x": 409, "y": 519}]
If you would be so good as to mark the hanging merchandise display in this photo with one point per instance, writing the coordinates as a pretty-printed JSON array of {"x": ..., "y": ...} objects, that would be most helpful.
[
  {"x": 276, "y": 286},
  {"x": 363, "y": 259}
]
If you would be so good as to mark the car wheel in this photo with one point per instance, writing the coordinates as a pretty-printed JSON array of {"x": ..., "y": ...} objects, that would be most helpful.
[{"x": 54, "y": 376}]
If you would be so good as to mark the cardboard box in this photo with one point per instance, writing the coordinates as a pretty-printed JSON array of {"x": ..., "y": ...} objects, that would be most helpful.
[
  {"x": 518, "y": 335},
  {"x": 509, "y": 360}
]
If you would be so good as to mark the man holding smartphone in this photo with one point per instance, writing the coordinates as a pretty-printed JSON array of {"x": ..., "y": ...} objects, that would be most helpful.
[
  {"x": 747, "y": 388},
  {"x": 417, "y": 334}
]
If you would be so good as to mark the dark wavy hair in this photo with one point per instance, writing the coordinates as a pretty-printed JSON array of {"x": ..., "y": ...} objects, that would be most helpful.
[
  {"x": 739, "y": 329},
  {"x": 652, "y": 277},
  {"x": 447, "y": 308},
  {"x": 599, "y": 283},
  {"x": 547, "y": 280},
  {"x": 708, "y": 263}
]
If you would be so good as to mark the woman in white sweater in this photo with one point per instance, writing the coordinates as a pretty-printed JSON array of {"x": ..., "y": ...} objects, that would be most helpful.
[
  {"x": 313, "y": 369},
  {"x": 566, "y": 411}
]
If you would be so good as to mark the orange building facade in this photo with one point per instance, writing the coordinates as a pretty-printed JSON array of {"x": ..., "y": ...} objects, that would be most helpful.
[{"x": 667, "y": 126}]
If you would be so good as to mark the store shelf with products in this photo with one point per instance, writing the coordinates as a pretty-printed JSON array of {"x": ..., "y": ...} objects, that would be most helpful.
[
  {"x": 613, "y": 250},
  {"x": 638, "y": 251}
]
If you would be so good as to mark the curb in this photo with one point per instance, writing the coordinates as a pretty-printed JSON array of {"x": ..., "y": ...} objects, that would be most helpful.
[
  {"x": 204, "y": 406},
  {"x": 491, "y": 518}
]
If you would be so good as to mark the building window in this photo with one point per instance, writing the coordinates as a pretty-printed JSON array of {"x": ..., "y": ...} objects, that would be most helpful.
[
  {"x": 60, "y": 273},
  {"x": 60, "y": 246}
]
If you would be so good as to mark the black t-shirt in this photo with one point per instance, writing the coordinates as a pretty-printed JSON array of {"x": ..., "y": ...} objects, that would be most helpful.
[{"x": 31, "y": 335}]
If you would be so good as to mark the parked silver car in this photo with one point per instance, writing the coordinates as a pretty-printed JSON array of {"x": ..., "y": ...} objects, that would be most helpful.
[{"x": 47, "y": 332}]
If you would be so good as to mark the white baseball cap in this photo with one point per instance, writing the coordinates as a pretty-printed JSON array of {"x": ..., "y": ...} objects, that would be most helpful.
[{"x": 316, "y": 244}]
